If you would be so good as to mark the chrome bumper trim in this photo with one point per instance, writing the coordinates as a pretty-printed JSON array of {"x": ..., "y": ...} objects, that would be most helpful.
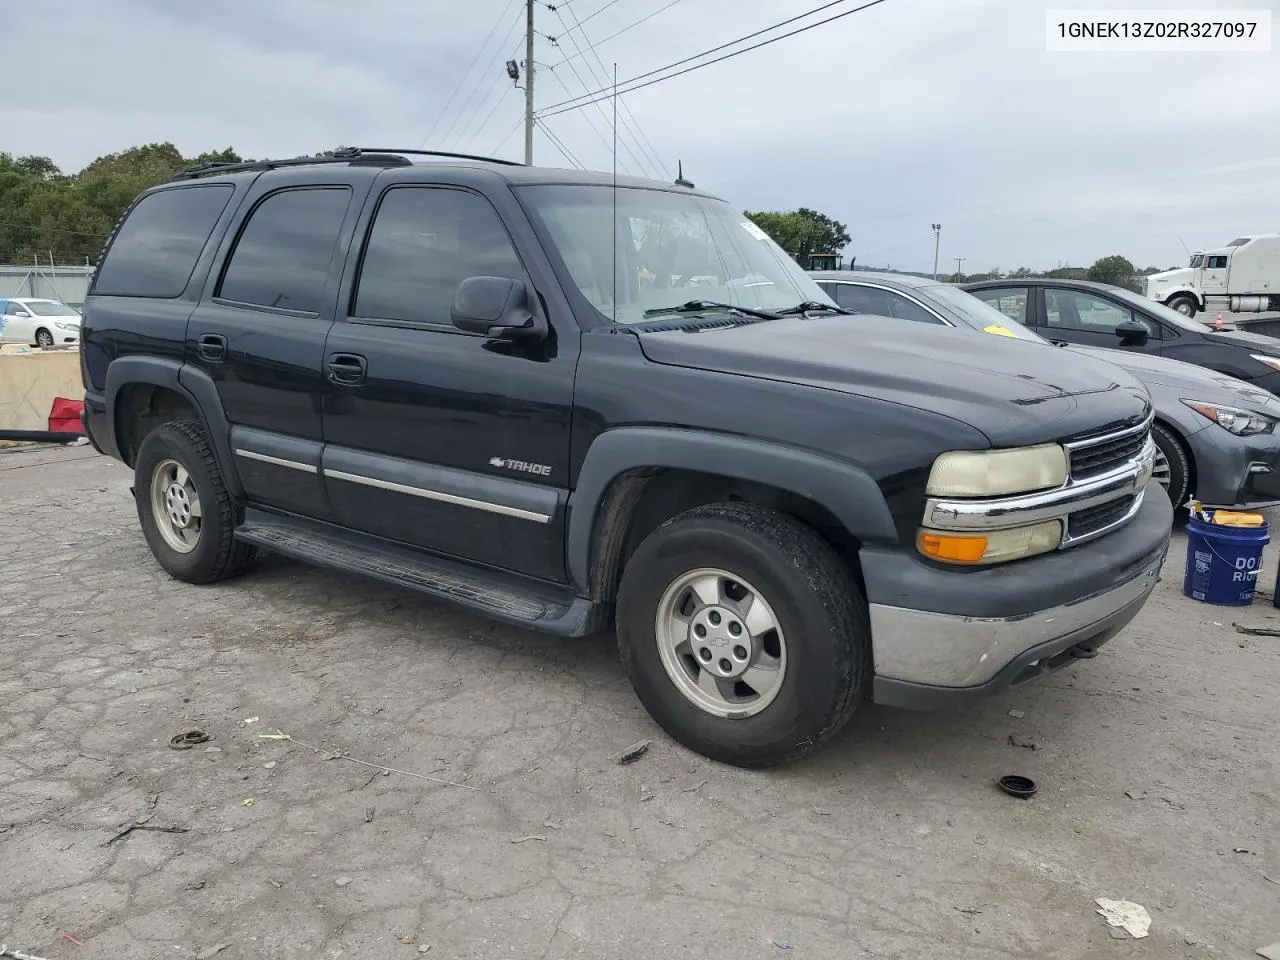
[{"x": 919, "y": 646}]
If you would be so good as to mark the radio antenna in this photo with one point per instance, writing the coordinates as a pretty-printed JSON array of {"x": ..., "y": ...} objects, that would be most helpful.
[
  {"x": 1184, "y": 246},
  {"x": 615, "y": 191}
]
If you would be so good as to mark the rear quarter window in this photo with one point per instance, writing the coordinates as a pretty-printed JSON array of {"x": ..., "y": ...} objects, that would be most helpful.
[{"x": 157, "y": 246}]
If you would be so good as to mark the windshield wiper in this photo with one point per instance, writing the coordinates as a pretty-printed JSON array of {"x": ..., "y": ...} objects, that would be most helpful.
[
  {"x": 813, "y": 306},
  {"x": 706, "y": 306}
]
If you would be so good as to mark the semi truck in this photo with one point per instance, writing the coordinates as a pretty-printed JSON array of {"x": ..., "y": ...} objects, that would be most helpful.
[{"x": 1242, "y": 277}]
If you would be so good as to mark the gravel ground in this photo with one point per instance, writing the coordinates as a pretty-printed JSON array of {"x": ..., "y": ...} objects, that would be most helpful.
[{"x": 1157, "y": 762}]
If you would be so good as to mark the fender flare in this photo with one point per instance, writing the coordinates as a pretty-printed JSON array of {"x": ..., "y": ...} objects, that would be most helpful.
[
  {"x": 1167, "y": 295},
  {"x": 849, "y": 493},
  {"x": 196, "y": 385}
]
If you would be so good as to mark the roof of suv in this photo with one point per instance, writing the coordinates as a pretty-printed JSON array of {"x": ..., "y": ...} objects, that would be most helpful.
[
  {"x": 388, "y": 159},
  {"x": 1042, "y": 282}
]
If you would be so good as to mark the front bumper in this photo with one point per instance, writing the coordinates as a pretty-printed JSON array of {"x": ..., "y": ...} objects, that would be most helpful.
[
  {"x": 1233, "y": 471},
  {"x": 968, "y": 633}
]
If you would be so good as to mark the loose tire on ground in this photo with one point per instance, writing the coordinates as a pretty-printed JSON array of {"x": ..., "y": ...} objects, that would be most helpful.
[
  {"x": 822, "y": 640},
  {"x": 177, "y": 476},
  {"x": 1170, "y": 448}
]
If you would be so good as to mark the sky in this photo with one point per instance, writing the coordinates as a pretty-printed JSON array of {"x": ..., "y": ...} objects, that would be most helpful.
[{"x": 909, "y": 113}]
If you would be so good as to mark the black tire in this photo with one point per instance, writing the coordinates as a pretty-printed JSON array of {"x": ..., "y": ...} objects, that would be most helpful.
[
  {"x": 819, "y": 608},
  {"x": 216, "y": 555},
  {"x": 1185, "y": 304},
  {"x": 44, "y": 338},
  {"x": 1180, "y": 466}
]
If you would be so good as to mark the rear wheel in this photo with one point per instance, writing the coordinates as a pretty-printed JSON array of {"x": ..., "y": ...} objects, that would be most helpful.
[
  {"x": 743, "y": 633},
  {"x": 1185, "y": 304},
  {"x": 1173, "y": 465},
  {"x": 187, "y": 515}
]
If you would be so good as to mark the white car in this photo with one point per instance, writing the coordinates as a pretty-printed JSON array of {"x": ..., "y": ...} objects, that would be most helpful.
[{"x": 39, "y": 323}]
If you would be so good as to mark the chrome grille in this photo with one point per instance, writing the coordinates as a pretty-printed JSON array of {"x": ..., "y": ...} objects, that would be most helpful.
[
  {"x": 1083, "y": 523},
  {"x": 1095, "y": 456}
]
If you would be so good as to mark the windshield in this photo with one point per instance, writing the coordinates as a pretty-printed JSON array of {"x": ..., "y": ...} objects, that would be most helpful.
[
  {"x": 978, "y": 313},
  {"x": 1166, "y": 314},
  {"x": 672, "y": 248},
  {"x": 49, "y": 308}
]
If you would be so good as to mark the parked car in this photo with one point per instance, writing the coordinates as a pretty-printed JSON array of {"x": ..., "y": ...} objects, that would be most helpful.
[
  {"x": 1098, "y": 315},
  {"x": 37, "y": 322},
  {"x": 447, "y": 375},
  {"x": 1215, "y": 435}
]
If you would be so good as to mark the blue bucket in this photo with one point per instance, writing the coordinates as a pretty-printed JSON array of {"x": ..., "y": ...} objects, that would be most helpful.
[{"x": 1223, "y": 562}]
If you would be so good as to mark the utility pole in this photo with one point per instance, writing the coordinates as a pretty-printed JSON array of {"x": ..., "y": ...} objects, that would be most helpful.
[
  {"x": 528, "y": 84},
  {"x": 937, "y": 233},
  {"x": 959, "y": 260}
]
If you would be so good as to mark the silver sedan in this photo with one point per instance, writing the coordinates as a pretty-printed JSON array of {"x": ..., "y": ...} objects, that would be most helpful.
[{"x": 1216, "y": 437}]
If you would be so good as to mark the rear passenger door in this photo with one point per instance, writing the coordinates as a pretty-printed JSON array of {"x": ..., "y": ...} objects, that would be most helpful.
[
  {"x": 438, "y": 438},
  {"x": 259, "y": 332}
]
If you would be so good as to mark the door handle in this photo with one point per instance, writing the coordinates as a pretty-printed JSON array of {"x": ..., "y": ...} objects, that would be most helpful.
[
  {"x": 213, "y": 347},
  {"x": 346, "y": 369}
]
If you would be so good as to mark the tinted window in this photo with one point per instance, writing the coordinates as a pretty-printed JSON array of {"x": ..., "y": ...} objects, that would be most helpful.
[
  {"x": 424, "y": 243},
  {"x": 863, "y": 299},
  {"x": 1010, "y": 301},
  {"x": 1216, "y": 263},
  {"x": 905, "y": 309},
  {"x": 158, "y": 244},
  {"x": 1070, "y": 310},
  {"x": 282, "y": 256}
]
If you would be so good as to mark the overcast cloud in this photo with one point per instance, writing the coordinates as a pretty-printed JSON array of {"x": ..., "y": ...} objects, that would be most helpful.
[{"x": 912, "y": 112}]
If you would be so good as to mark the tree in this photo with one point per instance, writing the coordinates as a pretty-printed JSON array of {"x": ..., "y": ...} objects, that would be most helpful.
[
  {"x": 45, "y": 212},
  {"x": 1114, "y": 270},
  {"x": 802, "y": 232}
]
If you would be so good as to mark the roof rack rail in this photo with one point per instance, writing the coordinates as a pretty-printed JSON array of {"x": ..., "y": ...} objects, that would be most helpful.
[
  {"x": 441, "y": 153},
  {"x": 343, "y": 155}
]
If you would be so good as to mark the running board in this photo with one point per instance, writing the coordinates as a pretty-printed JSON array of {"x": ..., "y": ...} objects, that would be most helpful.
[{"x": 507, "y": 597}]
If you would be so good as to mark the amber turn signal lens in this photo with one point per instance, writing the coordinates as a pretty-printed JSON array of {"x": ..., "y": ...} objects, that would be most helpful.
[{"x": 953, "y": 548}]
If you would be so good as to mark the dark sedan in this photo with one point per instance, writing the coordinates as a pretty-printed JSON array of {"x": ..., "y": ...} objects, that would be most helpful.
[{"x": 1098, "y": 315}]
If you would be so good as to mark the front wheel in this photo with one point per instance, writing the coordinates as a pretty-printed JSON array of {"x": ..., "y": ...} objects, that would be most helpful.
[
  {"x": 743, "y": 633},
  {"x": 1172, "y": 468},
  {"x": 44, "y": 339},
  {"x": 1184, "y": 304}
]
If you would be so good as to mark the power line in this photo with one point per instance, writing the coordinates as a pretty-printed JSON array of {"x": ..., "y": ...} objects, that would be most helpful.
[
  {"x": 503, "y": 142},
  {"x": 554, "y": 109},
  {"x": 643, "y": 165},
  {"x": 587, "y": 118},
  {"x": 590, "y": 16},
  {"x": 636, "y": 24},
  {"x": 462, "y": 111},
  {"x": 483, "y": 123},
  {"x": 558, "y": 144},
  {"x": 471, "y": 66},
  {"x": 603, "y": 78}
]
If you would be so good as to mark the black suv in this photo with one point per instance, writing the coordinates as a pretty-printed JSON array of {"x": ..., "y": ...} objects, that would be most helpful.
[{"x": 565, "y": 401}]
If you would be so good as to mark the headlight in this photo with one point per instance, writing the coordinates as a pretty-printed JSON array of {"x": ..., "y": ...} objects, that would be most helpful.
[
  {"x": 66, "y": 325},
  {"x": 993, "y": 473},
  {"x": 1243, "y": 423},
  {"x": 1272, "y": 362},
  {"x": 994, "y": 546}
]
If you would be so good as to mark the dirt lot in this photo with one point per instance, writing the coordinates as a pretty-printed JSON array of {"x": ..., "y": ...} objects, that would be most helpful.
[{"x": 1158, "y": 767}]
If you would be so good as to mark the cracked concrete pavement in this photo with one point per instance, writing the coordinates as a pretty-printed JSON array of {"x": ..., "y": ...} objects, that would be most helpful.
[{"x": 1157, "y": 763}]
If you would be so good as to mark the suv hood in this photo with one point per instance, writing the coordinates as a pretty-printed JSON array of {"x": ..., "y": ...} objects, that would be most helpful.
[{"x": 1014, "y": 391}]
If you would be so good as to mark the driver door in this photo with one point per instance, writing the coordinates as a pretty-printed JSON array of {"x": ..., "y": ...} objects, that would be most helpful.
[{"x": 1090, "y": 320}]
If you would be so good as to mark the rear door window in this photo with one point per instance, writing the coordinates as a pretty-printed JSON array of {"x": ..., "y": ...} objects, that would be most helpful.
[
  {"x": 281, "y": 258},
  {"x": 157, "y": 246}
]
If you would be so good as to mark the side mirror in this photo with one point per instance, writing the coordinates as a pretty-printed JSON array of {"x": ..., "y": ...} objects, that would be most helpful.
[
  {"x": 497, "y": 307},
  {"x": 1132, "y": 330},
  {"x": 18, "y": 312}
]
